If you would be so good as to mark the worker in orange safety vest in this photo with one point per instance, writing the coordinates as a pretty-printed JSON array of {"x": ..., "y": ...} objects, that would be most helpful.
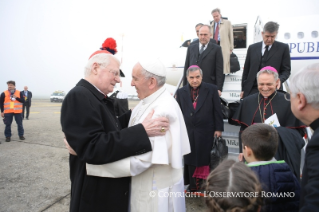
[{"x": 11, "y": 102}]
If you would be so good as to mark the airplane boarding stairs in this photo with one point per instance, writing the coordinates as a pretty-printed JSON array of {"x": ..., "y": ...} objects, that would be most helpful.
[{"x": 231, "y": 92}]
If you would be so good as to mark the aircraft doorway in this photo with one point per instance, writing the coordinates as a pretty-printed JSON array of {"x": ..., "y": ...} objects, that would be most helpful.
[{"x": 240, "y": 32}]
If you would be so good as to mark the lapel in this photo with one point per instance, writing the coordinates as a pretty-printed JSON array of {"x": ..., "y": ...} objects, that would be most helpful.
[
  {"x": 205, "y": 53},
  {"x": 272, "y": 51},
  {"x": 258, "y": 51},
  {"x": 187, "y": 97},
  {"x": 195, "y": 50},
  {"x": 203, "y": 91}
]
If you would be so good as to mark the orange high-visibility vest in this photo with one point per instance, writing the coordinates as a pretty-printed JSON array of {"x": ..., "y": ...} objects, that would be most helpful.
[{"x": 12, "y": 106}]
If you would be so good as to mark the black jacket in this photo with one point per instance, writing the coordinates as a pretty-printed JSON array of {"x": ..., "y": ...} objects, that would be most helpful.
[
  {"x": 92, "y": 130},
  {"x": 210, "y": 61},
  {"x": 202, "y": 122},
  {"x": 29, "y": 96},
  {"x": 310, "y": 174},
  {"x": 277, "y": 178},
  {"x": 279, "y": 58}
]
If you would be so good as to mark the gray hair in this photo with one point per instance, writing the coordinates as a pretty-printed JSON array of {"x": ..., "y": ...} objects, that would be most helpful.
[
  {"x": 159, "y": 79},
  {"x": 268, "y": 72},
  {"x": 192, "y": 69},
  {"x": 306, "y": 82},
  {"x": 216, "y": 10},
  {"x": 209, "y": 27},
  {"x": 103, "y": 59},
  {"x": 199, "y": 24},
  {"x": 271, "y": 27}
]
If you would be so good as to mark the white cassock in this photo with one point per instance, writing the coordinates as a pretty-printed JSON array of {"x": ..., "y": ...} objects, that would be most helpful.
[{"x": 157, "y": 176}]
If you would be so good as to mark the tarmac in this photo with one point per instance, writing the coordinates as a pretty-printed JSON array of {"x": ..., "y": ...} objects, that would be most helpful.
[{"x": 34, "y": 173}]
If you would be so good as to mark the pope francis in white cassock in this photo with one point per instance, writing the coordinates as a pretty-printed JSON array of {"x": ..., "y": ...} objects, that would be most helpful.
[{"x": 157, "y": 176}]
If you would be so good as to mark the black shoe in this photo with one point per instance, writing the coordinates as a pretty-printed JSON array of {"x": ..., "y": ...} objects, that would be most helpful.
[
  {"x": 22, "y": 138},
  {"x": 8, "y": 139},
  {"x": 27, "y": 118}
]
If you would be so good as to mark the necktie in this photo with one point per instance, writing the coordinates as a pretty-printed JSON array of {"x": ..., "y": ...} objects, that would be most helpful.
[
  {"x": 266, "y": 53},
  {"x": 216, "y": 33},
  {"x": 201, "y": 49}
]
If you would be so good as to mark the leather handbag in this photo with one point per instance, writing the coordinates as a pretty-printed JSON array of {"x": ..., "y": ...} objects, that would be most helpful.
[
  {"x": 225, "y": 108},
  {"x": 218, "y": 153},
  {"x": 234, "y": 63}
]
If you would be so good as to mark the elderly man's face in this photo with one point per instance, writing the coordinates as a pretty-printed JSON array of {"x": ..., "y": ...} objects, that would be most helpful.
[
  {"x": 108, "y": 76},
  {"x": 216, "y": 16},
  {"x": 267, "y": 84},
  {"x": 194, "y": 79},
  {"x": 204, "y": 35},
  {"x": 25, "y": 88},
  {"x": 11, "y": 86},
  {"x": 269, "y": 38},
  {"x": 140, "y": 83}
]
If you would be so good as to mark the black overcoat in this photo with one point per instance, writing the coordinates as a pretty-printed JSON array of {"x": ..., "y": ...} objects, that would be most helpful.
[
  {"x": 202, "y": 122},
  {"x": 310, "y": 174},
  {"x": 92, "y": 130}
]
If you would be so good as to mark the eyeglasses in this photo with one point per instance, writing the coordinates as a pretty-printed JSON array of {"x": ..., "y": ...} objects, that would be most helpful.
[
  {"x": 115, "y": 73},
  {"x": 287, "y": 96}
]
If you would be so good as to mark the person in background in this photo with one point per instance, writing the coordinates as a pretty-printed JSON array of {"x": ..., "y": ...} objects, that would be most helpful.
[
  {"x": 27, "y": 95},
  {"x": 304, "y": 90},
  {"x": 208, "y": 56},
  {"x": 269, "y": 102},
  {"x": 201, "y": 108},
  {"x": 260, "y": 143},
  {"x": 265, "y": 53},
  {"x": 197, "y": 27},
  {"x": 222, "y": 32},
  {"x": 11, "y": 102},
  {"x": 233, "y": 178}
]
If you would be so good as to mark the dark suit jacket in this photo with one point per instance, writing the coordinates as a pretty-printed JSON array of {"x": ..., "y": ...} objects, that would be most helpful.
[
  {"x": 28, "y": 102},
  {"x": 210, "y": 61},
  {"x": 202, "y": 122},
  {"x": 279, "y": 58},
  {"x": 310, "y": 174},
  {"x": 97, "y": 136}
]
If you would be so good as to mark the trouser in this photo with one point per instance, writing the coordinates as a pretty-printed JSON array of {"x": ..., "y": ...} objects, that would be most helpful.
[
  {"x": 8, "y": 121},
  {"x": 27, "y": 107},
  {"x": 195, "y": 184}
]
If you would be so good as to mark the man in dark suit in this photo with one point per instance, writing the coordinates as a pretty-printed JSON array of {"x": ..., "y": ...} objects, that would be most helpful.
[
  {"x": 208, "y": 56},
  {"x": 265, "y": 53},
  {"x": 27, "y": 95},
  {"x": 304, "y": 95},
  {"x": 201, "y": 108}
]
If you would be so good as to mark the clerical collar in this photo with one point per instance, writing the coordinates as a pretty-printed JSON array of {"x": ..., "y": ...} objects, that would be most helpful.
[
  {"x": 315, "y": 124},
  {"x": 269, "y": 97},
  {"x": 97, "y": 89},
  {"x": 153, "y": 96}
]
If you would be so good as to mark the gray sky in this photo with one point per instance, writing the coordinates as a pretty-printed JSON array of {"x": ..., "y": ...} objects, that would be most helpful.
[{"x": 45, "y": 44}]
